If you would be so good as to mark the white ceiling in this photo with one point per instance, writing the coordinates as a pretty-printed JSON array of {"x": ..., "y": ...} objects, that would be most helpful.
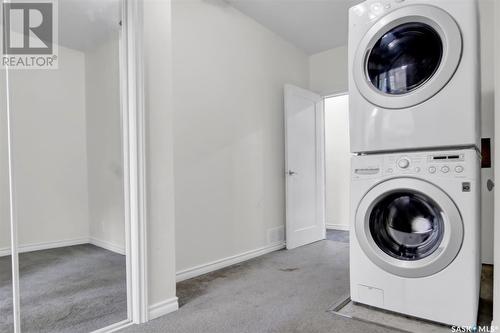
[
  {"x": 84, "y": 24},
  {"x": 312, "y": 25}
]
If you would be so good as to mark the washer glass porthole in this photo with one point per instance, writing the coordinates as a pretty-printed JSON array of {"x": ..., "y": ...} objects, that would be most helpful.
[
  {"x": 404, "y": 58},
  {"x": 407, "y": 225}
]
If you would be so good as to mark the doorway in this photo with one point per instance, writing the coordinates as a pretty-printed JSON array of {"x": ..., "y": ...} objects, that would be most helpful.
[{"x": 337, "y": 165}]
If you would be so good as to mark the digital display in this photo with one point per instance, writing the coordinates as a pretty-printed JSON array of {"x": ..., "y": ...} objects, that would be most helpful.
[{"x": 447, "y": 157}]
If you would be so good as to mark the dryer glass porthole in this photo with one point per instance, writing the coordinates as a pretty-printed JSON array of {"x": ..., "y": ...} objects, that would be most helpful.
[
  {"x": 407, "y": 226},
  {"x": 404, "y": 58}
]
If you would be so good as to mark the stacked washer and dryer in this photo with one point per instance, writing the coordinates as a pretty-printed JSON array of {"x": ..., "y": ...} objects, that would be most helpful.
[{"x": 414, "y": 126}]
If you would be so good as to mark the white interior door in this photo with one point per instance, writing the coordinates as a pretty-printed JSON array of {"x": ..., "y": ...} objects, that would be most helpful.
[{"x": 305, "y": 171}]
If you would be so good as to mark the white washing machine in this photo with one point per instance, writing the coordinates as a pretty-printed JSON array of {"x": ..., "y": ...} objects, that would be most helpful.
[
  {"x": 414, "y": 75},
  {"x": 415, "y": 226}
]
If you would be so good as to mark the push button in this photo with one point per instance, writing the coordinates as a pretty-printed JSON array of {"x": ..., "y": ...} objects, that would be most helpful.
[
  {"x": 403, "y": 163},
  {"x": 432, "y": 169},
  {"x": 445, "y": 169},
  {"x": 459, "y": 169}
]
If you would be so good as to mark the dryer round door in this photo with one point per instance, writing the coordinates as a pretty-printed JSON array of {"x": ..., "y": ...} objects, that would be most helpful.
[
  {"x": 407, "y": 56},
  {"x": 409, "y": 227}
]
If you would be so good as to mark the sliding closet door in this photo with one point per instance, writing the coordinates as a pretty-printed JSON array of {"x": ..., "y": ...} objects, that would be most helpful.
[
  {"x": 6, "y": 295},
  {"x": 68, "y": 158}
]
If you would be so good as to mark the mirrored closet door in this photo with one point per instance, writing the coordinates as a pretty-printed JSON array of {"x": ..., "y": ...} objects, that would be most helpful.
[{"x": 67, "y": 154}]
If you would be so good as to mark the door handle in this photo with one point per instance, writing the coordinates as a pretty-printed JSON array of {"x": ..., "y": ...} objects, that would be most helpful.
[
  {"x": 490, "y": 184},
  {"x": 291, "y": 173}
]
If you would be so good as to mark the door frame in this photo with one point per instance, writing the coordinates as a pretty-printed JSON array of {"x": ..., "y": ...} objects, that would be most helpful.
[
  {"x": 134, "y": 164},
  {"x": 134, "y": 156}
]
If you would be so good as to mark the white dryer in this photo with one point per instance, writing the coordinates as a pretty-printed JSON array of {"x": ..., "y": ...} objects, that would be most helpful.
[
  {"x": 415, "y": 226},
  {"x": 414, "y": 75}
]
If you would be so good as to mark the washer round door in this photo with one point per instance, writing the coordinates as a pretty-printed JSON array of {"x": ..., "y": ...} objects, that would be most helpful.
[
  {"x": 409, "y": 227},
  {"x": 407, "y": 56}
]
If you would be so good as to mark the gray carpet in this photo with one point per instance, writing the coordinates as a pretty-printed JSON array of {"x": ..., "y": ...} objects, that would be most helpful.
[
  {"x": 337, "y": 235},
  {"x": 71, "y": 289},
  {"x": 285, "y": 291},
  {"x": 5, "y": 295}
]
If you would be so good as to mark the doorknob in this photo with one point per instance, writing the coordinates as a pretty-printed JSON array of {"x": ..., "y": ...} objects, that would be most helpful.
[
  {"x": 291, "y": 173},
  {"x": 490, "y": 184}
]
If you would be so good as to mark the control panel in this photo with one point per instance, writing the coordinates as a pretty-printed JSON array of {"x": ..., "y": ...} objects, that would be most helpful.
[
  {"x": 437, "y": 164},
  {"x": 430, "y": 164},
  {"x": 372, "y": 9}
]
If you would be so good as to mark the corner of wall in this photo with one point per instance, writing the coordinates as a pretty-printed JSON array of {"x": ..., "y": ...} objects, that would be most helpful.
[{"x": 159, "y": 156}]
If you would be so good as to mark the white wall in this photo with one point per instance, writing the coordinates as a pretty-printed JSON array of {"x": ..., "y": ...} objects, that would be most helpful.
[
  {"x": 338, "y": 157},
  {"x": 328, "y": 71},
  {"x": 104, "y": 146},
  {"x": 229, "y": 73},
  {"x": 160, "y": 192},
  {"x": 50, "y": 151},
  {"x": 486, "y": 10}
]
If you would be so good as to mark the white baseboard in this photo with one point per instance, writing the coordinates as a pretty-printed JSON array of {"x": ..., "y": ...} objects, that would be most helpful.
[
  {"x": 162, "y": 308},
  {"x": 115, "y": 327},
  {"x": 107, "y": 245},
  {"x": 67, "y": 242},
  {"x": 45, "y": 246},
  {"x": 342, "y": 227},
  {"x": 221, "y": 263}
]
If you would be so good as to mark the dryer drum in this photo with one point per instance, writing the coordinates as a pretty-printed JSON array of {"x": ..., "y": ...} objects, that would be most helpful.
[{"x": 405, "y": 58}]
